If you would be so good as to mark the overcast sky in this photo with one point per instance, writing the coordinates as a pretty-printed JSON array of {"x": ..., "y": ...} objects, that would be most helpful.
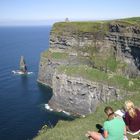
[{"x": 48, "y": 11}]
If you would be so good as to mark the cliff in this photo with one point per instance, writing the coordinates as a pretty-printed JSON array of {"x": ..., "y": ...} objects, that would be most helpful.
[{"x": 91, "y": 62}]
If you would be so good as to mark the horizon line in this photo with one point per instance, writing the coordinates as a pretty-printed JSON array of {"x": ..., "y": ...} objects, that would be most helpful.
[{"x": 41, "y": 22}]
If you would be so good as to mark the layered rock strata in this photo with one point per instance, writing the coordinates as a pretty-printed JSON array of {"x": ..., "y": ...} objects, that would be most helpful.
[{"x": 79, "y": 95}]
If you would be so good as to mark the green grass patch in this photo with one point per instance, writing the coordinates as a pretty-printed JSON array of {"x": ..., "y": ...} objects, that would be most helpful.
[
  {"x": 83, "y": 71},
  {"x": 96, "y": 75},
  {"x": 58, "y": 55},
  {"x": 111, "y": 63},
  {"x": 79, "y": 27},
  {"x": 46, "y": 54},
  {"x": 75, "y": 130},
  {"x": 133, "y": 20},
  {"x": 55, "y": 55},
  {"x": 105, "y": 62}
]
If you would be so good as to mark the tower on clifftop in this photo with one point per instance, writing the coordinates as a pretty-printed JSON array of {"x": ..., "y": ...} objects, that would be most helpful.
[{"x": 66, "y": 20}]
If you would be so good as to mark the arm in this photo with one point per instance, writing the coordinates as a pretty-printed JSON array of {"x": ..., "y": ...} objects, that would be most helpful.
[
  {"x": 105, "y": 134},
  {"x": 127, "y": 121},
  {"x": 93, "y": 135},
  {"x": 125, "y": 130}
]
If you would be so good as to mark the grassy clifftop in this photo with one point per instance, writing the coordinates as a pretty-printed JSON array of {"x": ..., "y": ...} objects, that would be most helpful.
[
  {"x": 92, "y": 26},
  {"x": 80, "y": 26},
  {"x": 133, "y": 20}
]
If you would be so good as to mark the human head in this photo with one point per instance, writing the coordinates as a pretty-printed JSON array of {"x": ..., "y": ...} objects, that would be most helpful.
[
  {"x": 109, "y": 111},
  {"x": 129, "y": 106}
]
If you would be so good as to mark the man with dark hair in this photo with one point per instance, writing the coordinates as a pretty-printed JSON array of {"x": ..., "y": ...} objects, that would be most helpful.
[{"x": 114, "y": 128}]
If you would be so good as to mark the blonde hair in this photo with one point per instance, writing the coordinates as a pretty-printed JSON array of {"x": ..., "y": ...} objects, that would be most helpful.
[{"x": 129, "y": 106}]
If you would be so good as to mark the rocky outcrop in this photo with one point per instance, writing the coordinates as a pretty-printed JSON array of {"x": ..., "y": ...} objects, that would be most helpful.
[
  {"x": 80, "y": 96},
  {"x": 77, "y": 94},
  {"x": 48, "y": 66},
  {"x": 70, "y": 40}
]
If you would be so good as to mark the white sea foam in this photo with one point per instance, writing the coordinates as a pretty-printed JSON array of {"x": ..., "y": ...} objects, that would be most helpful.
[
  {"x": 67, "y": 113},
  {"x": 17, "y": 72},
  {"x": 61, "y": 111},
  {"x": 48, "y": 107}
]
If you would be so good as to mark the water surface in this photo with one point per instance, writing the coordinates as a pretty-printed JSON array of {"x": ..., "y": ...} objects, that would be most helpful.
[{"x": 22, "y": 99}]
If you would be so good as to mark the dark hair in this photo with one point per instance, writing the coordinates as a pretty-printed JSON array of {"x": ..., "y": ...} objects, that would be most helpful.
[{"x": 109, "y": 111}]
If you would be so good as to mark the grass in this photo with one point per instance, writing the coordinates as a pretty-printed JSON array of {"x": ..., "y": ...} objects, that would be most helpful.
[
  {"x": 133, "y": 20},
  {"x": 75, "y": 130},
  {"x": 100, "y": 76},
  {"x": 79, "y": 27},
  {"x": 111, "y": 63},
  {"x": 55, "y": 55},
  {"x": 83, "y": 71},
  {"x": 108, "y": 62}
]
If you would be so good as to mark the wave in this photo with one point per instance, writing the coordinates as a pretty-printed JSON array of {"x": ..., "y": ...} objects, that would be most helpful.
[
  {"x": 48, "y": 107},
  {"x": 61, "y": 111}
]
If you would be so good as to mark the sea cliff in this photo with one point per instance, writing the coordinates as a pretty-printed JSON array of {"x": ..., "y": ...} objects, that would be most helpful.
[{"x": 91, "y": 62}]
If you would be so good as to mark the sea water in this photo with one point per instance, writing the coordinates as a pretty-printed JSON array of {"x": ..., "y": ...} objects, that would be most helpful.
[{"x": 22, "y": 99}]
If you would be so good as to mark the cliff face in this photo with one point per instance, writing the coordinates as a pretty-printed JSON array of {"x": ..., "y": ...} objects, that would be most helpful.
[
  {"x": 112, "y": 47},
  {"x": 126, "y": 41},
  {"x": 80, "y": 96},
  {"x": 123, "y": 39}
]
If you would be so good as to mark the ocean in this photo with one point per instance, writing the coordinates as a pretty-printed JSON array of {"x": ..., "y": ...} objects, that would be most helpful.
[{"x": 22, "y": 99}]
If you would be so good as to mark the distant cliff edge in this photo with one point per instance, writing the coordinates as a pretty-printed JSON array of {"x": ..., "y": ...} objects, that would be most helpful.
[{"x": 91, "y": 62}]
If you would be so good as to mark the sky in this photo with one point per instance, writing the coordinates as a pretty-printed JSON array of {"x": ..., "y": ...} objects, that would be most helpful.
[{"x": 24, "y": 12}]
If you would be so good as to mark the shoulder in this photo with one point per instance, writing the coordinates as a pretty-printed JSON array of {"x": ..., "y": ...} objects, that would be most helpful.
[
  {"x": 126, "y": 114},
  {"x": 137, "y": 108},
  {"x": 106, "y": 125},
  {"x": 106, "y": 122},
  {"x": 118, "y": 119},
  {"x": 137, "y": 111}
]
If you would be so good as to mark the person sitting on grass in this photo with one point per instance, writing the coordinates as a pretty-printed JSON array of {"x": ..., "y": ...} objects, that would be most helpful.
[
  {"x": 114, "y": 128},
  {"x": 132, "y": 117}
]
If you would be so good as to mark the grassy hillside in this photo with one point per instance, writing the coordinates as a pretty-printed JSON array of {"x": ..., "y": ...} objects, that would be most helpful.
[
  {"x": 133, "y": 20},
  {"x": 75, "y": 130}
]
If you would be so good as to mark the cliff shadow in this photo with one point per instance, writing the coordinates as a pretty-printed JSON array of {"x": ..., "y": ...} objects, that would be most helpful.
[
  {"x": 46, "y": 91},
  {"x": 53, "y": 116},
  {"x": 135, "y": 52}
]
